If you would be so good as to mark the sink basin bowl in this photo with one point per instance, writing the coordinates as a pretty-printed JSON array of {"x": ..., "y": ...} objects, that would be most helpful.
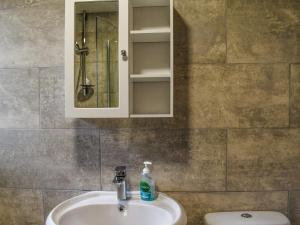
[{"x": 102, "y": 208}]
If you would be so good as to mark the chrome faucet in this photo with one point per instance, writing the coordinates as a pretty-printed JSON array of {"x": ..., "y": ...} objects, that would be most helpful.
[{"x": 120, "y": 181}]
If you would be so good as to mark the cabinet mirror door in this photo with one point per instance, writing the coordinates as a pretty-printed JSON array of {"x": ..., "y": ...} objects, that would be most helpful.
[{"x": 96, "y": 54}]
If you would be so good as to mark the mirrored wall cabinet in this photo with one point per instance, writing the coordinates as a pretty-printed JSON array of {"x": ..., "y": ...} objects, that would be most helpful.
[{"x": 119, "y": 58}]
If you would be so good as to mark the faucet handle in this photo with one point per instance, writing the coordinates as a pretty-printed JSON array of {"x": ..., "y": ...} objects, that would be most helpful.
[{"x": 120, "y": 171}]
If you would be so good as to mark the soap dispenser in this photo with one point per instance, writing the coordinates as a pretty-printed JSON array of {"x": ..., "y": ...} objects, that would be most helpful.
[{"x": 147, "y": 184}]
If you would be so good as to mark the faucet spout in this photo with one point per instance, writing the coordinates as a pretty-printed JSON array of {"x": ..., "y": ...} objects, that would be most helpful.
[{"x": 120, "y": 182}]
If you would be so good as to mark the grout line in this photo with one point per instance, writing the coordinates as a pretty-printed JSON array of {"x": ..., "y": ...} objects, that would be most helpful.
[
  {"x": 226, "y": 162},
  {"x": 153, "y": 128},
  {"x": 41, "y": 129},
  {"x": 39, "y": 79},
  {"x": 226, "y": 34},
  {"x": 178, "y": 64},
  {"x": 100, "y": 160},
  {"x": 43, "y": 201},
  {"x": 236, "y": 63},
  {"x": 288, "y": 204},
  {"x": 45, "y": 189},
  {"x": 208, "y": 192},
  {"x": 165, "y": 191},
  {"x": 257, "y": 128},
  {"x": 289, "y": 93},
  {"x": 29, "y": 67}
]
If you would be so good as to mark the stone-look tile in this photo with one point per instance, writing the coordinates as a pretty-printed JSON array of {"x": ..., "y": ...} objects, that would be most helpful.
[
  {"x": 294, "y": 207},
  {"x": 199, "y": 31},
  {"x": 19, "y": 98},
  {"x": 52, "y": 81},
  {"x": 263, "y": 31},
  {"x": 263, "y": 159},
  {"x": 21, "y": 207},
  {"x": 53, "y": 116},
  {"x": 234, "y": 95},
  {"x": 54, "y": 197},
  {"x": 295, "y": 96},
  {"x": 56, "y": 159},
  {"x": 9, "y": 4},
  {"x": 52, "y": 101},
  {"x": 32, "y": 36},
  {"x": 184, "y": 160},
  {"x": 198, "y": 204}
]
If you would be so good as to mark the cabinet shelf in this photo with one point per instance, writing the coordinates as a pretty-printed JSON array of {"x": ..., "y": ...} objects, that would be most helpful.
[
  {"x": 151, "y": 98},
  {"x": 149, "y": 3},
  {"x": 150, "y": 115},
  {"x": 151, "y": 35},
  {"x": 151, "y": 58},
  {"x": 149, "y": 77}
]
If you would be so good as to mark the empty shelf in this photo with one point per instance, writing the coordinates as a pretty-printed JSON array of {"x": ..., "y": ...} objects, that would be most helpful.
[
  {"x": 143, "y": 3},
  {"x": 151, "y": 58},
  {"x": 149, "y": 77},
  {"x": 150, "y": 115},
  {"x": 151, "y": 35},
  {"x": 151, "y": 98}
]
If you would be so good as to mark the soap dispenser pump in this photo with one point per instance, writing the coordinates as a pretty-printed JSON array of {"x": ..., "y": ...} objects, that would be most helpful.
[{"x": 147, "y": 184}]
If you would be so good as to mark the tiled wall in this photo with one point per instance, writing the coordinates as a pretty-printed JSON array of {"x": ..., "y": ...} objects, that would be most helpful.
[{"x": 234, "y": 143}]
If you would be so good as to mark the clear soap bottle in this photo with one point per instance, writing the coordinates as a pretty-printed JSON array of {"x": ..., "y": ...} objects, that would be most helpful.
[{"x": 147, "y": 184}]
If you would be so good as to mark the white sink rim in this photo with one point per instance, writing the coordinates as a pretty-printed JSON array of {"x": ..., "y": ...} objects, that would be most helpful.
[{"x": 109, "y": 197}]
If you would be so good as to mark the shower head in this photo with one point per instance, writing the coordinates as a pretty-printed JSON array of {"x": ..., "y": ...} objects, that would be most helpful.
[{"x": 85, "y": 93}]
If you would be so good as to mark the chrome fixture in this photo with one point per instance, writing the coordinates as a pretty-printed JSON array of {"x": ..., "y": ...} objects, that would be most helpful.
[
  {"x": 246, "y": 215},
  {"x": 108, "y": 71},
  {"x": 87, "y": 90},
  {"x": 120, "y": 181},
  {"x": 124, "y": 55},
  {"x": 109, "y": 43}
]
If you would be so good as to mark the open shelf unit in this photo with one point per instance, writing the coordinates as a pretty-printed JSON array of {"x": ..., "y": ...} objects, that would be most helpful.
[
  {"x": 142, "y": 68},
  {"x": 151, "y": 58}
]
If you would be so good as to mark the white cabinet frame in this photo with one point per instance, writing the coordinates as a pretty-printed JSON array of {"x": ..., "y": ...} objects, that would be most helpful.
[{"x": 146, "y": 78}]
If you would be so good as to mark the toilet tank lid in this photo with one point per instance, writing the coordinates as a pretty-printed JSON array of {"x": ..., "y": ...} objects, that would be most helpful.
[{"x": 246, "y": 218}]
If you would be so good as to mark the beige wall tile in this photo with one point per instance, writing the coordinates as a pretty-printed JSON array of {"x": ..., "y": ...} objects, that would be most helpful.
[
  {"x": 199, "y": 31},
  {"x": 32, "y": 34},
  {"x": 263, "y": 31},
  {"x": 198, "y": 204},
  {"x": 19, "y": 98},
  {"x": 21, "y": 207},
  {"x": 53, "y": 159},
  {"x": 234, "y": 95},
  {"x": 263, "y": 159},
  {"x": 54, "y": 197},
  {"x": 10, "y": 4},
  {"x": 190, "y": 160}
]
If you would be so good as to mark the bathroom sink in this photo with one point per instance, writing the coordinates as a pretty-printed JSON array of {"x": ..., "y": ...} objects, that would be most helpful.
[{"x": 102, "y": 208}]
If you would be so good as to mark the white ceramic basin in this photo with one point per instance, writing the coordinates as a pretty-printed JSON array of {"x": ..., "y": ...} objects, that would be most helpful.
[{"x": 102, "y": 208}]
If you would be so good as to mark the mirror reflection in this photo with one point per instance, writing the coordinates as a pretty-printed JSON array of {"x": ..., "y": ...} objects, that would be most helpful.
[{"x": 96, "y": 55}]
